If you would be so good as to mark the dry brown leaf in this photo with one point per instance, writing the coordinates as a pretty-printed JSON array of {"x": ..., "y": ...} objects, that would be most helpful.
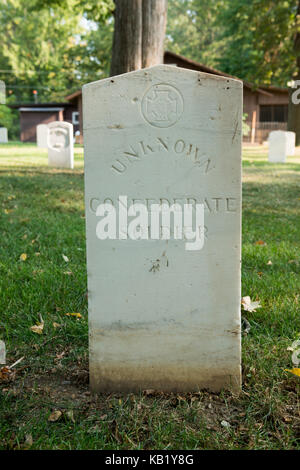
[
  {"x": 56, "y": 325},
  {"x": 77, "y": 315},
  {"x": 37, "y": 328},
  {"x": 260, "y": 242},
  {"x": 248, "y": 305},
  {"x": 5, "y": 374},
  {"x": 55, "y": 416}
]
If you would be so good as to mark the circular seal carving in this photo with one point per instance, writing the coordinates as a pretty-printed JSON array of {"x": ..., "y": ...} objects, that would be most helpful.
[{"x": 162, "y": 105}]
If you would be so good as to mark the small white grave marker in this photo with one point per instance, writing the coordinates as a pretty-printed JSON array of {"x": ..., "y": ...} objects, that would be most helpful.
[
  {"x": 281, "y": 144},
  {"x": 42, "y": 135},
  {"x": 3, "y": 135},
  {"x": 60, "y": 144}
]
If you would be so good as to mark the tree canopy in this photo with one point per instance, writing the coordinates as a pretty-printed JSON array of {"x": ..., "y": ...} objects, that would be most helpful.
[{"x": 55, "y": 46}]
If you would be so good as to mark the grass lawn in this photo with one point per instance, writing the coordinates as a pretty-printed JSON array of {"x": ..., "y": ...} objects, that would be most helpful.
[{"x": 42, "y": 216}]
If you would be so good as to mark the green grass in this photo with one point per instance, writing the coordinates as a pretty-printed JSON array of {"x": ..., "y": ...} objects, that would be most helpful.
[{"x": 42, "y": 215}]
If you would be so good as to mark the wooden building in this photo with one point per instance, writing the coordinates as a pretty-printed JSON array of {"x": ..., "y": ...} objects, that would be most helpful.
[{"x": 32, "y": 114}]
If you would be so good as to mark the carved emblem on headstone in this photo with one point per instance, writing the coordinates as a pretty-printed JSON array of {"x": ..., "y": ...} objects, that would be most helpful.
[{"x": 162, "y": 105}]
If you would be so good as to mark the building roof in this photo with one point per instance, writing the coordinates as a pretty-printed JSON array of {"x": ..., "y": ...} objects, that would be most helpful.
[
  {"x": 73, "y": 95},
  {"x": 191, "y": 64},
  {"x": 38, "y": 106}
]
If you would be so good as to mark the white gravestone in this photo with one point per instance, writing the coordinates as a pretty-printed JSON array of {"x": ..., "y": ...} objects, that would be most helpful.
[
  {"x": 291, "y": 143},
  {"x": 281, "y": 144},
  {"x": 3, "y": 135},
  {"x": 42, "y": 135},
  {"x": 160, "y": 316},
  {"x": 60, "y": 144},
  {"x": 2, "y": 352}
]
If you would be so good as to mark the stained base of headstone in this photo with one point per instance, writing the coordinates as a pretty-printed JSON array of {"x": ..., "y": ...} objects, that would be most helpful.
[
  {"x": 160, "y": 316},
  {"x": 138, "y": 379},
  {"x": 131, "y": 363}
]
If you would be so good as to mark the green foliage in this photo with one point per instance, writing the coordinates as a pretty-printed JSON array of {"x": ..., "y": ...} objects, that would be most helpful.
[
  {"x": 194, "y": 30},
  {"x": 36, "y": 46},
  {"x": 250, "y": 40},
  {"x": 52, "y": 46},
  {"x": 259, "y": 39},
  {"x": 245, "y": 126},
  {"x": 6, "y": 117},
  {"x": 55, "y": 46}
]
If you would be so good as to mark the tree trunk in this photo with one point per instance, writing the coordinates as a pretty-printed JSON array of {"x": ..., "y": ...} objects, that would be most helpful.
[
  {"x": 139, "y": 34},
  {"x": 127, "y": 43},
  {"x": 153, "y": 35},
  {"x": 294, "y": 109}
]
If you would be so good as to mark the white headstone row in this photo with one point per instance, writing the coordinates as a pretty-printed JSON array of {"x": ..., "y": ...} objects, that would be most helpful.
[
  {"x": 3, "y": 135},
  {"x": 164, "y": 309},
  {"x": 281, "y": 145},
  {"x": 57, "y": 136}
]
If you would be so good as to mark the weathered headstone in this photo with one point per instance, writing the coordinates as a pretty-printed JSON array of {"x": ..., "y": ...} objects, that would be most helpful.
[
  {"x": 42, "y": 136},
  {"x": 60, "y": 144},
  {"x": 160, "y": 316},
  {"x": 2, "y": 352},
  {"x": 3, "y": 135},
  {"x": 281, "y": 144}
]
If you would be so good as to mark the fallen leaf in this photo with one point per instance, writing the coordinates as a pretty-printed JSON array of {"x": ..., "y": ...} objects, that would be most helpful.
[
  {"x": 77, "y": 315},
  {"x": 28, "y": 440},
  {"x": 24, "y": 236},
  {"x": 70, "y": 415},
  {"x": 37, "y": 253},
  {"x": 23, "y": 257},
  {"x": 295, "y": 371},
  {"x": 55, "y": 416},
  {"x": 5, "y": 374},
  {"x": 56, "y": 325},
  {"x": 65, "y": 258},
  {"x": 260, "y": 242},
  {"x": 69, "y": 273},
  {"x": 225, "y": 424},
  {"x": 37, "y": 328},
  {"x": 249, "y": 305},
  {"x": 269, "y": 262}
]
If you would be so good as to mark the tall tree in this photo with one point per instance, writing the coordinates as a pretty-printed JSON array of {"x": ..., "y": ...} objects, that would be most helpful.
[
  {"x": 138, "y": 35},
  {"x": 294, "y": 108}
]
